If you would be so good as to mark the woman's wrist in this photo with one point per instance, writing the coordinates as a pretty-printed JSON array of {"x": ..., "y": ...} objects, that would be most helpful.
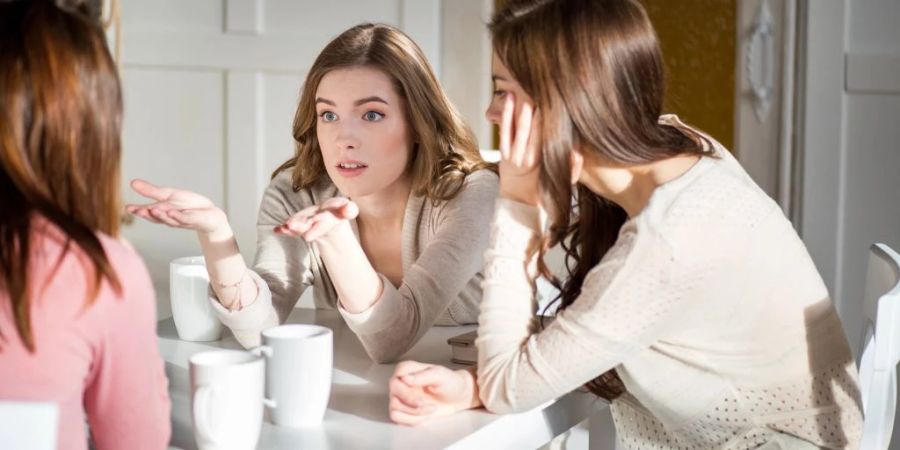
[
  {"x": 470, "y": 378},
  {"x": 337, "y": 237},
  {"x": 221, "y": 233},
  {"x": 516, "y": 195}
]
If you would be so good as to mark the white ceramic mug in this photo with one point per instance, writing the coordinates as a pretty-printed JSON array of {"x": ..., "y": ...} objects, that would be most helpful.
[
  {"x": 195, "y": 319},
  {"x": 227, "y": 399},
  {"x": 299, "y": 362}
]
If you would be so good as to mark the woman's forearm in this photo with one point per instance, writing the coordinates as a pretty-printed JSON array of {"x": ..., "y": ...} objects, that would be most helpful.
[
  {"x": 356, "y": 282},
  {"x": 227, "y": 269}
]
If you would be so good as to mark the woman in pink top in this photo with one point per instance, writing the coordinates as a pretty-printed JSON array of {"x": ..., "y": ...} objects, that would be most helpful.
[{"x": 77, "y": 319}]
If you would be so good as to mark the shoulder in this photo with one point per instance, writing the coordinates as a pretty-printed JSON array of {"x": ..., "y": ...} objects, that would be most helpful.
[
  {"x": 722, "y": 195},
  {"x": 481, "y": 185},
  {"x": 478, "y": 193},
  {"x": 473, "y": 204},
  {"x": 69, "y": 268},
  {"x": 483, "y": 177},
  {"x": 713, "y": 220}
]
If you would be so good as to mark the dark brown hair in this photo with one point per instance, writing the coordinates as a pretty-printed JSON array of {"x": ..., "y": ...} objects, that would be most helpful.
[
  {"x": 60, "y": 121},
  {"x": 595, "y": 72},
  {"x": 446, "y": 149}
]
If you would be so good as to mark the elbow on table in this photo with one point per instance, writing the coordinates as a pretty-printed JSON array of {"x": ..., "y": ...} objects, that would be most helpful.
[
  {"x": 497, "y": 405},
  {"x": 494, "y": 395}
]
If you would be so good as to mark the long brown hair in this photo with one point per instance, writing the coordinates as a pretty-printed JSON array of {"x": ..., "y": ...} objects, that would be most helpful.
[
  {"x": 60, "y": 121},
  {"x": 595, "y": 72},
  {"x": 446, "y": 150}
]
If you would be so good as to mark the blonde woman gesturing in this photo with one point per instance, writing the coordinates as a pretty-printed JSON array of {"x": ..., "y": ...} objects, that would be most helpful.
[{"x": 384, "y": 209}]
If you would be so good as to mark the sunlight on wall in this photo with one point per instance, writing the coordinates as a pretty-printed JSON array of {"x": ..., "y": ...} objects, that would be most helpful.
[{"x": 698, "y": 44}]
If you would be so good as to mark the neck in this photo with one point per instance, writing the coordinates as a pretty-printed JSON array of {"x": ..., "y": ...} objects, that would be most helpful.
[
  {"x": 632, "y": 186},
  {"x": 384, "y": 209}
]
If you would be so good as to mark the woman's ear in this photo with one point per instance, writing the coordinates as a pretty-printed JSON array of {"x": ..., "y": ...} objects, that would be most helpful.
[{"x": 576, "y": 164}]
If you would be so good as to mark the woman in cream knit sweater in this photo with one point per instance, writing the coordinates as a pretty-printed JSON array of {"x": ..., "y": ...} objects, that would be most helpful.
[
  {"x": 382, "y": 211},
  {"x": 691, "y": 303}
]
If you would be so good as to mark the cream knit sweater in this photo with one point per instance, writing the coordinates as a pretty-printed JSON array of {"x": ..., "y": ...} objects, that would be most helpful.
[
  {"x": 442, "y": 248},
  {"x": 709, "y": 308}
]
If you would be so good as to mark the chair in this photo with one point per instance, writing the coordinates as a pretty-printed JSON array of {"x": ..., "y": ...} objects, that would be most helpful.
[
  {"x": 880, "y": 346},
  {"x": 28, "y": 425}
]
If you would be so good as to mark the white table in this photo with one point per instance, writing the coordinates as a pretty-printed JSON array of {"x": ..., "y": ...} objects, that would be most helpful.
[{"x": 357, "y": 415}]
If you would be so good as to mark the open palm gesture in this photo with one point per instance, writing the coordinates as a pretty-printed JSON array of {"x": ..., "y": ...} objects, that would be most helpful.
[
  {"x": 322, "y": 220},
  {"x": 177, "y": 208}
]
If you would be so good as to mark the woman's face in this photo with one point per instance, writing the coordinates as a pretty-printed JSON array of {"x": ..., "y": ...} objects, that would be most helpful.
[
  {"x": 362, "y": 130},
  {"x": 504, "y": 85}
]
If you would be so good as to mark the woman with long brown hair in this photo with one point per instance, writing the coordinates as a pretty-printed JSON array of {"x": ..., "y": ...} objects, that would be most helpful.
[
  {"x": 77, "y": 309},
  {"x": 691, "y": 303},
  {"x": 382, "y": 210}
]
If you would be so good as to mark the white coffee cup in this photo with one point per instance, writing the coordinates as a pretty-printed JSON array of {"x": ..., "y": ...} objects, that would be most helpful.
[
  {"x": 299, "y": 362},
  {"x": 195, "y": 319},
  {"x": 227, "y": 399}
]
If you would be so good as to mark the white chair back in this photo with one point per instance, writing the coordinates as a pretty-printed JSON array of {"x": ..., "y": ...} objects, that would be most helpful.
[
  {"x": 880, "y": 346},
  {"x": 28, "y": 425}
]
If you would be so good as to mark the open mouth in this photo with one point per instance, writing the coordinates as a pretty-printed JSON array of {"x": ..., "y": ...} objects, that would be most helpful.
[
  {"x": 351, "y": 166},
  {"x": 348, "y": 169}
]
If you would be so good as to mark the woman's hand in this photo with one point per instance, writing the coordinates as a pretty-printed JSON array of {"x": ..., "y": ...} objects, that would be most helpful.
[
  {"x": 321, "y": 221},
  {"x": 520, "y": 153},
  {"x": 420, "y": 392},
  {"x": 178, "y": 208}
]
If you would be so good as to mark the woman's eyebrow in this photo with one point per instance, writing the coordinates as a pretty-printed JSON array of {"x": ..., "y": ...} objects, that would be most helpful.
[{"x": 373, "y": 98}]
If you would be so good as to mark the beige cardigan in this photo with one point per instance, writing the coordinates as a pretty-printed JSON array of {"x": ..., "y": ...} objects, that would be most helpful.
[
  {"x": 443, "y": 246},
  {"x": 708, "y": 306}
]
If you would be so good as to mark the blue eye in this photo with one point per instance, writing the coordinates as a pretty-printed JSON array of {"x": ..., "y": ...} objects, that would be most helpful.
[
  {"x": 373, "y": 116},
  {"x": 328, "y": 116},
  {"x": 499, "y": 93}
]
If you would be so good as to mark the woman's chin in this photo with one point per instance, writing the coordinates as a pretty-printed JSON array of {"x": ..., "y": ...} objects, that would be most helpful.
[{"x": 353, "y": 189}]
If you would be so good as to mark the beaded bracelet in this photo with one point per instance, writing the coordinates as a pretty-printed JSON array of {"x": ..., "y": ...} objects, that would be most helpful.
[{"x": 237, "y": 297}]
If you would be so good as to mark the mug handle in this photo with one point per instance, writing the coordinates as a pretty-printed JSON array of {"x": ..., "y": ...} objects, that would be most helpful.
[
  {"x": 201, "y": 408},
  {"x": 262, "y": 350},
  {"x": 266, "y": 352}
]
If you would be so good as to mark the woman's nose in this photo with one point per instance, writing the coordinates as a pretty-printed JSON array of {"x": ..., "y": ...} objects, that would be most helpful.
[
  {"x": 346, "y": 137},
  {"x": 492, "y": 114}
]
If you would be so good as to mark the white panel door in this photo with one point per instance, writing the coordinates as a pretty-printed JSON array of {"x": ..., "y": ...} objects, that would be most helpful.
[{"x": 210, "y": 91}]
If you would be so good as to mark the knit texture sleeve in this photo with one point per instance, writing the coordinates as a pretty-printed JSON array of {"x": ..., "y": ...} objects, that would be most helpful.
[
  {"x": 624, "y": 305},
  {"x": 281, "y": 269}
]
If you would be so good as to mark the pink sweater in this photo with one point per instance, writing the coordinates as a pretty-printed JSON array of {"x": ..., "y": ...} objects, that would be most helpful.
[{"x": 100, "y": 361}]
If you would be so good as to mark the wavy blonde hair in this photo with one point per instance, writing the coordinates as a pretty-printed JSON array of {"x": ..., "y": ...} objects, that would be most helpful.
[{"x": 445, "y": 151}]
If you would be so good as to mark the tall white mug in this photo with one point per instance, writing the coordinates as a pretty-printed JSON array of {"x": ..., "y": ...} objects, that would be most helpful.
[
  {"x": 195, "y": 319},
  {"x": 299, "y": 362},
  {"x": 227, "y": 399}
]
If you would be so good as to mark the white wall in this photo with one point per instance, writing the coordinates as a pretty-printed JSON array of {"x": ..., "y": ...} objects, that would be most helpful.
[
  {"x": 211, "y": 87},
  {"x": 871, "y": 157},
  {"x": 851, "y": 141},
  {"x": 851, "y": 144}
]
